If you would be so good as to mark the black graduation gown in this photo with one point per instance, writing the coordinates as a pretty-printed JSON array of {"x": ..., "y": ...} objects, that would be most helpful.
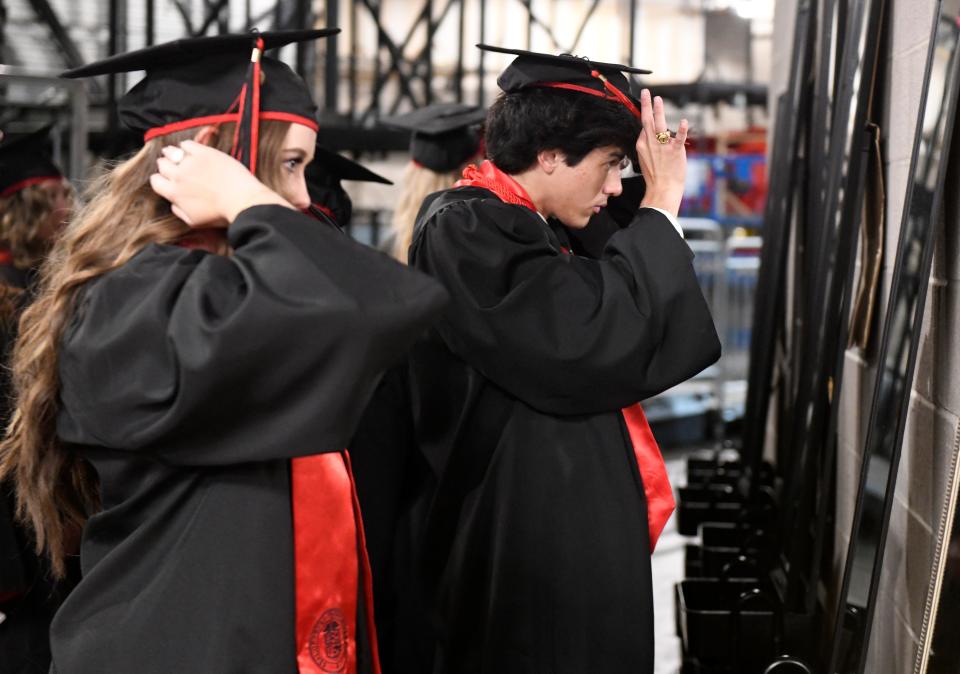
[
  {"x": 536, "y": 555},
  {"x": 188, "y": 381}
]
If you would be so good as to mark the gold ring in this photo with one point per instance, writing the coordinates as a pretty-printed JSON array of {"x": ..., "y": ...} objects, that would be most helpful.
[{"x": 664, "y": 137}]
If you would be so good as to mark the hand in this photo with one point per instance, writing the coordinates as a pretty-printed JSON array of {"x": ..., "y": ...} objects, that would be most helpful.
[
  {"x": 663, "y": 165},
  {"x": 207, "y": 187}
]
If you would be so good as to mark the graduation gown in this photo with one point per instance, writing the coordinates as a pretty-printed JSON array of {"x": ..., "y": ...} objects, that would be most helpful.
[
  {"x": 535, "y": 554},
  {"x": 188, "y": 380}
]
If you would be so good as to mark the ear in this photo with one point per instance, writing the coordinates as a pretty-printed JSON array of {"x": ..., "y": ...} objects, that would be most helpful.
[
  {"x": 206, "y": 135},
  {"x": 549, "y": 160}
]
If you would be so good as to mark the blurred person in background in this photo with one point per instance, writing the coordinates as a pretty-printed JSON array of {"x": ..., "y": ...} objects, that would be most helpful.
[
  {"x": 328, "y": 199},
  {"x": 445, "y": 139},
  {"x": 36, "y": 202}
]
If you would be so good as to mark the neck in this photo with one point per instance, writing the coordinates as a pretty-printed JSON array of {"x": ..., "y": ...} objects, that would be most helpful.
[{"x": 530, "y": 182}]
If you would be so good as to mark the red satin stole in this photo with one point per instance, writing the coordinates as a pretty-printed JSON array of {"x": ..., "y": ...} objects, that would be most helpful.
[
  {"x": 331, "y": 564},
  {"x": 653, "y": 472}
]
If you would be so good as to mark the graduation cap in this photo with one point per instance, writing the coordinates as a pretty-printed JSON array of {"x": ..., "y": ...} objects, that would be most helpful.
[
  {"x": 566, "y": 71},
  {"x": 214, "y": 80},
  {"x": 327, "y": 195},
  {"x": 445, "y": 135},
  {"x": 25, "y": 160}
]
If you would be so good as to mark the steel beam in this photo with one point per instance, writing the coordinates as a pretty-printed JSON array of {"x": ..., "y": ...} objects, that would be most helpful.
[{"x": 47, "y": 15}]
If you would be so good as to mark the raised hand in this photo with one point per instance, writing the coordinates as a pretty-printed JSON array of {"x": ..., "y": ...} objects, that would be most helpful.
[
  {"x": 207, "y": 187},
  {"x": 662, "y": 155}
]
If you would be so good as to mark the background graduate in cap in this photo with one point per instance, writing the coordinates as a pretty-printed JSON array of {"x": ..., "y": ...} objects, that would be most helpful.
[
  {"x": 191, "y": 409},
  {"x": 445, "y": 138},
  {"x": 35, "y": 202},
  {"x": 550, "y": 490},
  {"x": 328, "y": 199}
]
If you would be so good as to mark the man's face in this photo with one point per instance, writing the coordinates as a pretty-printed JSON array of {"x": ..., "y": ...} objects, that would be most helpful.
[{"x": 578, "y": 192}]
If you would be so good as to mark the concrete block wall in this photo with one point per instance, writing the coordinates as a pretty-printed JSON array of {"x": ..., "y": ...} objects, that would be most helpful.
[{"x": 933, "y": 419}]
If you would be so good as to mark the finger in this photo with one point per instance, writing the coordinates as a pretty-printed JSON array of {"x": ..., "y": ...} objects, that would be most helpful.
[
  {"x": 682, "y": 131},
  {"x": 162, "y": 186},
  {"x": 179, "y": 212},
  {"x": 646, "y": 112},
  {"x": 659, "y": 118},
  {"x": 172, "y": 151},
  {"x": 166, "y": 168}
]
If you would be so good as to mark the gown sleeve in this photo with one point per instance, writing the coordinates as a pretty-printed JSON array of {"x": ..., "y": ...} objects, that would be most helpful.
[
  {"x": 566, "y": 334},
  {"x": 272, "y": 352}
]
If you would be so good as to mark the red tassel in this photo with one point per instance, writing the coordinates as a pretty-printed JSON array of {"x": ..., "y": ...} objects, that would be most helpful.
[
  {"x": 255, "y": 110},
  {"x": 235, "y": 147},
  {"x": 617, "y": 94}
]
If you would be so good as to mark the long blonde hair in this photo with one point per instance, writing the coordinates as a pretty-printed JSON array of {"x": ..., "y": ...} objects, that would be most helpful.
[
  {"x": 418, "y": 182},
  {"x": 22, "y": 217},
  {"x": 56, "y": 490}
]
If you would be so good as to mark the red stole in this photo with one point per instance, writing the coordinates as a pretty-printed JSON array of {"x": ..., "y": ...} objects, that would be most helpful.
[
  {"x": 656, "y": 482},
  {"x": 331, "y": 563}
]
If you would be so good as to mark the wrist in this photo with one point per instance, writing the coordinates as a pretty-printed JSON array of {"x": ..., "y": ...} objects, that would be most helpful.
[{"x": 667, "y": 199}]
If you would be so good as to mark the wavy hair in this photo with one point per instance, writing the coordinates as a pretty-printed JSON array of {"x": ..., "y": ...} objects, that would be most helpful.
[
  {"x": 56, "y": 491},
  {"x": 22, "y": 218}
]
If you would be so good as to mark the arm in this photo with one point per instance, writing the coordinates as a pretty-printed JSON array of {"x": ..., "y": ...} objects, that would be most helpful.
[
  {"x": 273, "y": 352},
  {"x": 567, "y": 335}
]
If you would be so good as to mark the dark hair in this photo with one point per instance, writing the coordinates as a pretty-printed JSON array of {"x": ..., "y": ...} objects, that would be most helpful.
[{"x": 524, "y": 123}]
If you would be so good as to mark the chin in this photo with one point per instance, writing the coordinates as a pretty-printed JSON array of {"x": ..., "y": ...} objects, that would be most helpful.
[{"x": 577, "y": 223}]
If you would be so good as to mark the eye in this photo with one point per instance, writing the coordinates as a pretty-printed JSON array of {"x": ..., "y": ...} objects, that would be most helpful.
[{"x": 292, "y": 163}]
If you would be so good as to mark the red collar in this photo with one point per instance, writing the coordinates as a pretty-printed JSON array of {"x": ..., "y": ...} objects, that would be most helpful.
[{"x": 491, "y": 178}]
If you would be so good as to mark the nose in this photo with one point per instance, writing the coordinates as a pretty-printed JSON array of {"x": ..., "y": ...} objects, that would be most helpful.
[
  {"x": 300, "y": 196},
  {"x": 612, "y": 186}
]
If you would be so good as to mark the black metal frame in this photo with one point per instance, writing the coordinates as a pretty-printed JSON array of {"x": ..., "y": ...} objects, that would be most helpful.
[
  {"x": 834, "y": 265},
  {"x": 901, "y": 339},
  {"x": 768, "y": 302}
]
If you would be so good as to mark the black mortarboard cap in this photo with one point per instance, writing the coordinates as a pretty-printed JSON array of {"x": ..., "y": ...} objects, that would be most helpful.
[
  {"x": 445, "y": 135},
  {"x": 565, "y": 71},
  {"x": 25, "y": 160},
  {"x": 213, "y": 80},
  {"x": 323, "y": 177}
]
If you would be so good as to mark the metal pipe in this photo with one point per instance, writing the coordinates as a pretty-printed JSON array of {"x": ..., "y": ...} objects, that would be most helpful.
[
  {"x": 150, "y": 31},
  {"x": 460, "y": 40},
  {"x": 428, "y": 79},
  {"x": 113, "y": 19},
  {"x": 353, "y": 60},
  {"x": 481, "y": 71},
  {"x": 331, "y": 65}
]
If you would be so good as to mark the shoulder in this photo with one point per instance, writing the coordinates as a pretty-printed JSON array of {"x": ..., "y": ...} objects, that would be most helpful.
[
  {"x": 476, "y": 212},
  {"x": 148, "y": 283}
]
